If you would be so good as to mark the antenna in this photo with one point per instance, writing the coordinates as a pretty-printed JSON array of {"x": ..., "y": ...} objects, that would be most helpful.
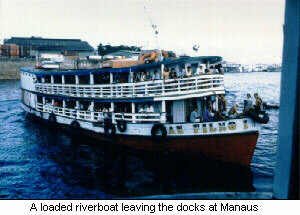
[{"x": 154, "y": 31}]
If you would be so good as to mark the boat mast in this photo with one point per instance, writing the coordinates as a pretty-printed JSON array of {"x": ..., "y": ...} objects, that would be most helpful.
[{"x": 155, "y": 32}]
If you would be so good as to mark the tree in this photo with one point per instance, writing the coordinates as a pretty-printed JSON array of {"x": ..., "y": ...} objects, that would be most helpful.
[{"x": 106, "y": 49}]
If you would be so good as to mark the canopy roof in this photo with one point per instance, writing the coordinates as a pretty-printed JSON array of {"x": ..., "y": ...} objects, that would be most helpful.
[{"x": 168, "y": 62}]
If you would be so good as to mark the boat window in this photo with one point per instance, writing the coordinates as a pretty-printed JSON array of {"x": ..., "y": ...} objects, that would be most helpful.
[
  {"x": 70, "y": 104},
  {"x": 39, "y": 99},
  {"x": 102, "y": 78},
  {"x": 122, "y": 107},
  {"x": 84, "y": 79},
  {"x": 121, "y": 77},
  {"x": 102, "y": 106},
  {"x": 57, "y": 79},
  {"x": 70, "y": 79},
  {"x": 39, "y": 79},
  {"x": 47, "y": 78},
  {"x": 58, "y": 103}
]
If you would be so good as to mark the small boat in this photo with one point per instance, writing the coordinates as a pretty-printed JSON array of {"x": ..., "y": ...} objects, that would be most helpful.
[{"x": 152, "y": 115}]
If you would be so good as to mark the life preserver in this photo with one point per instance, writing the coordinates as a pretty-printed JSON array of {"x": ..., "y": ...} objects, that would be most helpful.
[
  {"x": 260, "y": 117},
  {"x": 109, "y": 129},
  {"x": 75, "y": 128},
  {"x": 122, "y": 125},
  {"x": 159, "y": 132},
  {"x": 52, "y": 119}
]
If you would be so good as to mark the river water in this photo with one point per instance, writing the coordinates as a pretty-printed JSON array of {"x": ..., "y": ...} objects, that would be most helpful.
[{"x": 37, "y": 162}]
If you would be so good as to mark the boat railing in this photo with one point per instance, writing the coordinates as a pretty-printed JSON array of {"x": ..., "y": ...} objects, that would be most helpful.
[
  {"x": 94, "y": 116},
  {"x": 154, "y": 88}
]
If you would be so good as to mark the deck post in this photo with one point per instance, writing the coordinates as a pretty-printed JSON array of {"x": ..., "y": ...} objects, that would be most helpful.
[
  {"x": 91, "y": 83},
  {"x": 111, "y": 80},
  {"x": 44, "y": 102},
  {"x": 92, "y": 111},
  {"x": 52, "y": 82},
  {"x": 91, "y": 78},
  {"x": 163, "y": 111},
  {"x": 112, "y": 107},
  {"x": 77, "y": 82},
  {"x": 77, "y": 109},
  {"x": 133, "y": 112},
  {"x": 64, "y": 106},
  {"x": 162, "y": 77},
  {"x": 63, "y": 82}
]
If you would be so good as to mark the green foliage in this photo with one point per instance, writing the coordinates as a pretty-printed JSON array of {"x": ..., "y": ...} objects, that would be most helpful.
[{"x": 106, "y": 49}]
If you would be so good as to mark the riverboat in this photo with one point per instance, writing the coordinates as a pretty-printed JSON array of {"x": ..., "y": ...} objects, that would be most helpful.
[{"x": 108, "y": 102}]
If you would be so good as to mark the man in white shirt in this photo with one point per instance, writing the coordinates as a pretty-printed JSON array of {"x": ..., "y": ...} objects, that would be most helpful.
[
  {"x": 150, "y": 109},
  {"x": 156, "y": 75},
  {"x": 142, "y": 109},
  {"x": 91, "y": 107},
  {"x": 200, "y": 70}
]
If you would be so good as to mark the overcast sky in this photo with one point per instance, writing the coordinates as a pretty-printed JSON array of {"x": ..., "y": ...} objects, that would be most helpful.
[{"x": 245, "y": 31}]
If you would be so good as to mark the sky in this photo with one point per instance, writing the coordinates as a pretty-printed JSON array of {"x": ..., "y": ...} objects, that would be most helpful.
[{"x": 242, "y": 31}]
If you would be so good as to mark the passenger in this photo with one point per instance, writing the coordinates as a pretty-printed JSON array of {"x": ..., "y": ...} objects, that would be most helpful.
[
  {"x": 248, "y": 104},
  {"x": 206, "y": 71},
  {"x": 143, "y": 76},
  {"x": 200, "y": 70},
  {"x": 150, "y": 109},
  {"x": 156, "y": 75},
  {"x": 135, "y": 79},
  {"x": 233, "y": 114},
  {"x": 148, "y": 77},
  {"x": 220, "y": 69},
  {"x": 142, "y": 109},
  {"x": 166, "y": 73},
  {"x": 222, "y": 102},
  {"x": 181, "y": 72},
  {"x": 215, "y": 70},
  {"x": 258, "y": 103},
  {"x": 211, "y": 70},
  {"x": 194, "y": 117},
  {"x": 173, "y": 74},
  {"x": 207, "y": 115},
  {"x": 189, "y": 72},
  {"x": 91, "y": 107},
  {"x": 105, "y": 110}
]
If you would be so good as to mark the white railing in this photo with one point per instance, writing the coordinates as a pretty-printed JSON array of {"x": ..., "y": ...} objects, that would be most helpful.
[
  {"x": 155, "y": 88},
  {"x": 100, "y": 116}
]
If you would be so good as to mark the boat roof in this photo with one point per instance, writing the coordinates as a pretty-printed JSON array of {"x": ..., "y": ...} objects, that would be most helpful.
[{"x": 167, "y": 62}]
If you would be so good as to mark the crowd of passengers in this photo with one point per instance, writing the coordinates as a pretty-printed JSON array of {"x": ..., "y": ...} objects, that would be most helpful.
[
  {"x": 172, "y": 74},
  {"x": 211, "y": 114}
]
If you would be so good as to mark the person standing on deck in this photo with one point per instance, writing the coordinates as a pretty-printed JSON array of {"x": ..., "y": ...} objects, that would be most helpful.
[
  {"x": 195, "y": 116},
  {"x": 166, "y": 74},
  {"x": 156, "y": 75},
  {"x": 248, "y": 103},
  {"x": 148, "y": 77},
  {"x": 200, "y": 70},
  {"x": 189, "y": 72},
  {"x": 258, "y": 103}
]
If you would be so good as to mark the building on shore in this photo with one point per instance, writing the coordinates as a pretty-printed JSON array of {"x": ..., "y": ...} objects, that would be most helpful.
[
  {"x": 232, "y": 67},
  {"x": 41, "y": 47}
]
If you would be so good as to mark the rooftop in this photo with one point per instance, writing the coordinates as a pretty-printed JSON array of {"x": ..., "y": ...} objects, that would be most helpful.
[{"x": 51, "y": 44}]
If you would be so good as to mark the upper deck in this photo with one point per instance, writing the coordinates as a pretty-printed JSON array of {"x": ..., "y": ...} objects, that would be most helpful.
[{"x": 103, "y": 83}]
